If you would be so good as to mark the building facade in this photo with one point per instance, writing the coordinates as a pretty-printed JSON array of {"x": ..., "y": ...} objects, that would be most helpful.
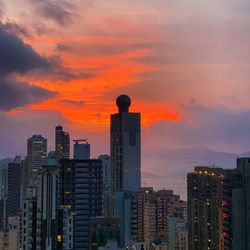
[
  {"x": 205, "y": 208},
  {"x": 62, "y": 143},
  {"x": 81, "y": 194},
  {"x": 36, "y": 152},
  {"x": 125, "y": 138}
]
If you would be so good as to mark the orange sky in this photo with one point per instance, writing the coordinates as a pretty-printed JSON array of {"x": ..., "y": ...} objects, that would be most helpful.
[
  {"x": 185, "y": 65},
  {"x": 154, "y": 51}
]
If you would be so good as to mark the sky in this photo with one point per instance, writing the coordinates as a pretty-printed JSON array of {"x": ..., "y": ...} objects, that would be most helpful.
[{"x": 184, "y": 63}]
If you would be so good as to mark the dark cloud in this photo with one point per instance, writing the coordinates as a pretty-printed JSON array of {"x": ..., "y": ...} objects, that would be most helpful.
[
  {"x": 73, "y": 102},
  {"x": 15, "y": 28},
  {"x": 63, "y": 47},
  {"x": 15, "y": 94},
  {"x": 59, "y": 74},
  {"x": 65, "y": 75},
  {"x": 60, "y": 11},
  {"x": 18, "y": 57}
]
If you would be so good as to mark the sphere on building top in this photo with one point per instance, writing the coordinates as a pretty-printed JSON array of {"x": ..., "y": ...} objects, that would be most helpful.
[{"x": 123, "y": 103}]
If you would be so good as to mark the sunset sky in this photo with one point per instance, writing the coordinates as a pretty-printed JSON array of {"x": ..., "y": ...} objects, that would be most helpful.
[{"x": 185, "y": 64}]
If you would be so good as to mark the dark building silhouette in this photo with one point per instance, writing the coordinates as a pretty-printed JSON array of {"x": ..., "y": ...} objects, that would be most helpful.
[
  {"x": 232, "y": 186},
  {"x": 62, "y": 143},
  {"x": 81, "y": 196},
  {"x": 125, "y": 138},
  {"x": 47, "y": 205},
  {"x": 36, "y": 152},
  {"x": 14, "y": 187}
]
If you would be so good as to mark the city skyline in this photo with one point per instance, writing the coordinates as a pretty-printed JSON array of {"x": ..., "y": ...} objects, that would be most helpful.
[
  {"x": 55, "y": 201},
  {"x": 189, "y": 79}
]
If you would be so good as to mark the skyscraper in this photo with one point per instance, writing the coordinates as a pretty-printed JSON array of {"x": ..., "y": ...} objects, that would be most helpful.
[
  {"x": 62, "y": 143},
  {"x": 81, "y": 194},
  {"x": 242, "y": 207},
  {"x": 205, "y": 208},
  {"x": 47, "y": 191},
  {"x": 232, "y": 205},
  {"x": 107, "y": 182},
  {"x": 125, "y": 138},
  {"x": 36, "y": 151},
  {"x": 14, "y": 187}
]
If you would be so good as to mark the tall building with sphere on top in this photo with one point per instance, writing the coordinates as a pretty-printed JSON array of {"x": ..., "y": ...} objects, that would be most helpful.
[{"x": 125, "y": 142}]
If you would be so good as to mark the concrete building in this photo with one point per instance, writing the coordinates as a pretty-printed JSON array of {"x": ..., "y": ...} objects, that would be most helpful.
[
  {"x": 125, "y": 138},
  {"x": 81, "y": 193},
  {"x": 232, "y": 226},
  {"x": 28, "y": 221},
  {"x": 126, "y": 211},
  {"x": 107, "y": 183},
  {"x": 62, "y": 143},
  {"x": 81, "y": 150},
  {"x": 205, "y": 208},
  {"x": 241, "y": 206},
  {"x": 104, "y": 230},
  {"x": 146, "y": 211},
  {"x": 168, "y": 204},
  {"x": 14, "y": 187},
  {"x": 3, "y": 193},
  {"x": 47, "y": 205},
  {"x": 26, "y": 176},
  {"x": 177, "y": 233},
  {"x": 36, "y": 152}
]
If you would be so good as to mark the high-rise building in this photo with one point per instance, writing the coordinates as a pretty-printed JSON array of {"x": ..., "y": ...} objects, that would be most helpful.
[
  {"x": 14, "y": 187},
  {"x": 107, "y": 183},
  {"x": 47, "y": 205},
  {"x": 103, "y": 230},
  {"x": 205, "y": 208},
  {"x": 3, "y": 192},
  {"x": 62, "y": 143},
  {"x": 36, "y": 151},
  {"x": 125, "y": 205},
  {"x": 232, "y": 206},
  {"x": 146, "y": 215},
  {"x": 26, "y": 176},
  {"x": 241, "y": 209},
  {"x": 80, "y": 187},
  {"x": 168, "y": 204},
  {"x": 81, "y": 150},
  {"x": 177, "y": 233},
  {"x": 125, "y": 138},
  {"x": 28, "y": 220}
]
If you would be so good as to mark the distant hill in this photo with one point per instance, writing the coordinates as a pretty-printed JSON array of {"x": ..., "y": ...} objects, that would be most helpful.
[{"x": 168, "y": 168}]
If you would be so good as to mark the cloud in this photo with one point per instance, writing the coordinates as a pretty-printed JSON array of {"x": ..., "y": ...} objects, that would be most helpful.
[
  {"x": 2, "y": 8},
  {"x": 73, "y": 102},
  {"x": 16, "y": 56},
  {"x": 63, "y": 47},
  {"x": 59, "y": 74},
  {"x": 59, "y": 11},
  {"x": 215, "y": 127},
  {"x": 15, "y": 28},
  {"x": 15, "y": 94}
]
